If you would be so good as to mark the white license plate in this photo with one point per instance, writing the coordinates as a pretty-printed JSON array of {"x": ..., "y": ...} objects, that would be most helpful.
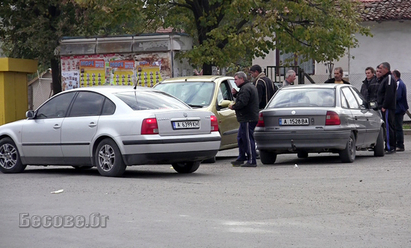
[
  {"x": 294, "y": 121},
  {"x": 186, "y": 124}
]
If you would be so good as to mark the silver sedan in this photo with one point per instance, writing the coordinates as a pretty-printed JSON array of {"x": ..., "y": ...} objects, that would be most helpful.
[
  {"x": 318, "y": 118},
  {"x": 110, "y": 128}
]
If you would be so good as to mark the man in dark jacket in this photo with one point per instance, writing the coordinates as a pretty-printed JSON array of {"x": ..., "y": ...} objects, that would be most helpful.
[
  {"x": 338, "y": 74},
  {"x": 369, "y": 87},
  {"x": 386, "y": 98},
  {"x": 401, "y": 108},
  {"x": 265, "y": 87},
  {"x": 246, "y": 109}
]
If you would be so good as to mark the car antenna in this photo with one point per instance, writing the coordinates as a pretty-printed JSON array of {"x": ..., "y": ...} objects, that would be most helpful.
[{"x": 138, "y": 77}]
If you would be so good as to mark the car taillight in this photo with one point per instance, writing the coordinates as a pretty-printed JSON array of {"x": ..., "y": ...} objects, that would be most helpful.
[
  {"x": 149, "y": 126},
  {"x": 214, "y": 123},
  {"x": 260, "y": 122},
  {"x": 332, "y": 118}
]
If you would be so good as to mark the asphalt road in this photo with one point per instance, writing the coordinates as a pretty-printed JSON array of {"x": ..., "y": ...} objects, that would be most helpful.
[{"x": 318, "y": 203}]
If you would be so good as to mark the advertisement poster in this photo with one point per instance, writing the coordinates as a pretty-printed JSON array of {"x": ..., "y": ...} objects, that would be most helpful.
[
  {"x": 92, "y": 72},
  {"x": 116, "y": 69},
  {"x": 70, "y": 80},
  {"x": 122, "y": 72}
]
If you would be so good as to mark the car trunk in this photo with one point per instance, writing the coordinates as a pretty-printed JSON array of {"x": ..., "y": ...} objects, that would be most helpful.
[{"x": 186, "y": 123}]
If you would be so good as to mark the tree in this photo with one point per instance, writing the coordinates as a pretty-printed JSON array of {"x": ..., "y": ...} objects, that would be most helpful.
[
  {"x": 32, "y": 29},
  {"x": 231, "y": 30}
]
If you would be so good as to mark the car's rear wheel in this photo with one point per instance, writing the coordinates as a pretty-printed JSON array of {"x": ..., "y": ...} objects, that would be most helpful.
[
  {"x": 348, "y": 154},
  {"x": 210, "y": 160},
  {"x": 186, "y": 167},
  {"x": 108, "y": 159},
  {"x": 267, "y": 157},
  {"x": 379, "y": 145},
  {"x": 10, "y": 161},
  {"x": 302, "y": 154}
]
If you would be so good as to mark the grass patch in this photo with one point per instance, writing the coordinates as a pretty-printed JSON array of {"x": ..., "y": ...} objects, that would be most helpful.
[{"x": 406, "y": 126}]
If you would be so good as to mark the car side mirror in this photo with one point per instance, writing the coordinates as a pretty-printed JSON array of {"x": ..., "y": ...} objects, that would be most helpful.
[
  {"x": 224, "y": 103},
  {"x": 30, "y": 114}
]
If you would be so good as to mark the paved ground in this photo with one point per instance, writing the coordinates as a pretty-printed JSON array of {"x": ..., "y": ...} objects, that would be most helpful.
[{"x": 319, "y": 203}]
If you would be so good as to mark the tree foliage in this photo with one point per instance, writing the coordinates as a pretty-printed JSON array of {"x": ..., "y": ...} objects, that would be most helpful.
[
  {"x": 231, "y": 30},
  {"x": 224, "y": 31}
]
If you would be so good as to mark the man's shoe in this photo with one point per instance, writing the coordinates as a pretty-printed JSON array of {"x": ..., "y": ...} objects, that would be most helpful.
[
  {"x": 400, "y": 149},
  {"x": 249, "y": 165},
  {"x": 237, "y": 163},
  {"x": 390, "y": 151}
]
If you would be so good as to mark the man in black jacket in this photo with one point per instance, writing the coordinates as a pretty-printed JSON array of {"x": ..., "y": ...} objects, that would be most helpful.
[
  {"x": 369, "y": 87},
  {"x": 265, "y": 87},
  {"x": 338, "y": 77},
  {"x": 246, "y": 109},
  {"x": 386, "y": 98}
]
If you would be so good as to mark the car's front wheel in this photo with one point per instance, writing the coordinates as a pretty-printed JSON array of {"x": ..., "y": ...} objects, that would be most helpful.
[
  {"x": 267, "y": 157},
  {"x": 108, "y": 159},
  {"x": 186, "y": 167},
  {"x": 379, "y": 145},
  {"x": 348, "y": 154},
  {"x": 10, "y": 161}
]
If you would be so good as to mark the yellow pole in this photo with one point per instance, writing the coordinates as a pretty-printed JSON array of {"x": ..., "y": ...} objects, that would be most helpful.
[{"x": 13, "y": 88}]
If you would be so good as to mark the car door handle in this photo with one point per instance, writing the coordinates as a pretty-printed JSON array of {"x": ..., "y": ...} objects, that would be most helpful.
[
  {"x": 92, "y": 124},
  {"x": 56, "y": 126}
]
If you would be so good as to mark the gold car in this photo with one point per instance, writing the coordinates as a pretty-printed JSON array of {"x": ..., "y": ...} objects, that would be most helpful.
[{"x": 211, "y": 93}]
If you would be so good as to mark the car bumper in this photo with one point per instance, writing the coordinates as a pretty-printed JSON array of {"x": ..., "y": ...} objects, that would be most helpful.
[
  {"x": 167, "y": 158},
  {"x": 308, "y": 141},
  {"x": 170, "y": 150}
]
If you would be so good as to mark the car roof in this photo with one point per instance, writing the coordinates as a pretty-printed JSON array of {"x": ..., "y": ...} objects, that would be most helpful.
[
  {"x": 314, "y": 86},
  {"x": 113, "y": 89},
  {"x": 208, "y": 78}
]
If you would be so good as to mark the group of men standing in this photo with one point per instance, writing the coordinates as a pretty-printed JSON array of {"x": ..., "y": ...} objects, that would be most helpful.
[{"x": 382, "y": 89}]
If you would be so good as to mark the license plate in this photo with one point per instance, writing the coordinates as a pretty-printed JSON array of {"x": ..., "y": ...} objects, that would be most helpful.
[
  {"x": 294, "y": 121},
  {"x": 186, "y": 124}
]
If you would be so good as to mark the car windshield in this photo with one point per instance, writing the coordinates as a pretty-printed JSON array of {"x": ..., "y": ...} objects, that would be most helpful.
[
  {"x": 145, "y": 100},
  {"x": 303, "y": 97},
  {"x": 195, "y": 94}
]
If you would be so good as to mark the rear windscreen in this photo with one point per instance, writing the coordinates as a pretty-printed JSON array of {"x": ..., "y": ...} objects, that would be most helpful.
[{"x": 313, "y": 97}]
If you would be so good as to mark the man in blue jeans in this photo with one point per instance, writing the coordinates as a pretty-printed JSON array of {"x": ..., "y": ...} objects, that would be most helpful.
[
  {"x": 246, "y": 109},
  {"x": 401, "y": 108}
]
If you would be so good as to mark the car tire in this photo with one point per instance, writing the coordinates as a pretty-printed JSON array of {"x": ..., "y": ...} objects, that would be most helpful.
[
  {"x": 186, "y": 167},
  {"x": 302, "y": 154},
  {"x": 379, "y": 145},
  {"x": 348, "y": 154},
  {"x": 210, "y": 160},
  {"x": 267, "y": 157},
  {"x": 108, "y": 159},
  {"x": 10, "y": 161}
]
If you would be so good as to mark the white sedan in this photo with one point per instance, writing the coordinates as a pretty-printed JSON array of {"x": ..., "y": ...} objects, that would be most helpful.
[{"x": 110, "y": 128}]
